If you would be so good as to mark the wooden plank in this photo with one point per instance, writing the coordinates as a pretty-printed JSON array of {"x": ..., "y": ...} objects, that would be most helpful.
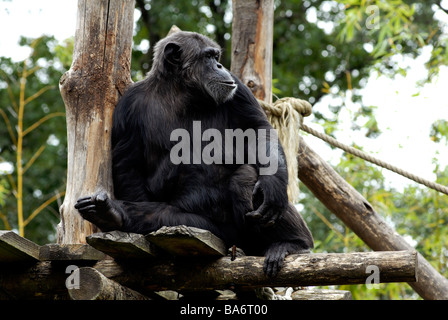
[
  {"x": 14, "y": 248},
  {"x": 56, "y": 252},
  {"x": 122, "y": 245},
  {"x": 187, "y": 241}
]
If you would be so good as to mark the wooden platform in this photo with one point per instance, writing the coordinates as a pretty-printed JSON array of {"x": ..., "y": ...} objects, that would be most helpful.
[{"x": 119, "y": 265}]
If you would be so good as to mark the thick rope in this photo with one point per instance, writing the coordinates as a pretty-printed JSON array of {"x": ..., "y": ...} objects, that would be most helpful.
[
  {"x": 280, "y": 115},
  {"x": 286, "y": 115}
]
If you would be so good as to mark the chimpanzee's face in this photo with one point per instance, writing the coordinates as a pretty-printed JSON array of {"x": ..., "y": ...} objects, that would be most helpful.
[{"x": 196, "y": 60}]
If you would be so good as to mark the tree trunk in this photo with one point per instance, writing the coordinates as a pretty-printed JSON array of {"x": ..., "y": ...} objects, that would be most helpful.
[
  {"x": 357, "y": 213},
  {"x": 252, "y": 45},
  {"x": 100, "y": 72}
]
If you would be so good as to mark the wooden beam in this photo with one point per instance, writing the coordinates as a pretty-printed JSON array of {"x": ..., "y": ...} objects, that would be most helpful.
[
  {"x": 247, "y": 272},
  {"x": 14, "y": 248},
  {"x": 358, "y": 214},
  {"x": 94, "y": 286},
  {"x": 252, "y": 45},
  {"x": 46, "y": 280}
]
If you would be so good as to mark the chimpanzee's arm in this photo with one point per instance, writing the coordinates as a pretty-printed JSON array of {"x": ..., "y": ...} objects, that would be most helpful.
[
  {"x": 128, "y": 163},
  {"x": 271, "y": 186}
]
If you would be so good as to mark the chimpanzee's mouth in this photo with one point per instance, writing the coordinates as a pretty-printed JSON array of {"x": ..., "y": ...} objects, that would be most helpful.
[{"x": 229, "y": 83}]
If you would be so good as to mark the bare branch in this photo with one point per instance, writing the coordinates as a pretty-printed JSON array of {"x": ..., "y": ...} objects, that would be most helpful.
[
  {"x": 33, "y": 158},
  {"x": 37, "y": 94},
  {"x": 42, "y": 120},
  {"x": 9, "y": 127},
  {"x": 42, "y": 207}
]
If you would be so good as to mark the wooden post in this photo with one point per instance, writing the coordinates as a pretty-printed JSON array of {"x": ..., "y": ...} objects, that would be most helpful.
[
  {"x": 357, "y": 213},
  {"x": 252, "y": 45},
  {"x": 99, "y": 73}
]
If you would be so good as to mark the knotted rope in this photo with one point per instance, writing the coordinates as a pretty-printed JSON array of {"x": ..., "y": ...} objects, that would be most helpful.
[{"x": 286, "y": 116}]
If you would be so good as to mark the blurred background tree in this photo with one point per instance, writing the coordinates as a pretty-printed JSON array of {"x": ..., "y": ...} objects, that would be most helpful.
[
  {"x": 33, "y": 135},
  {"x": 321, "y": 49}
]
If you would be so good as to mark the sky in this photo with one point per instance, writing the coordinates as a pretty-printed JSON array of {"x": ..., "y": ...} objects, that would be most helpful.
[
  {"x": 32, "y": 18},
  {"x": 404, "y": 113}
]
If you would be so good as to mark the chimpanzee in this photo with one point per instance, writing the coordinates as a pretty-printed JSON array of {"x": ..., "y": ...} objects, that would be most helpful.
[{"x": 192, "y": 146}]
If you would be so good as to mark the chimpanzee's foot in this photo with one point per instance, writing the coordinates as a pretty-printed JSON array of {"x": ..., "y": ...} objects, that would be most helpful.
[{"x": 276, "y": 253}]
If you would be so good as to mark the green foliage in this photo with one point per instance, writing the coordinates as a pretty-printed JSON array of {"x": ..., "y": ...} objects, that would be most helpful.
[
  {"x": 64, "y": 52},
  {"x": 32, "y": 86},
  {"x": 439, "y": 131}
]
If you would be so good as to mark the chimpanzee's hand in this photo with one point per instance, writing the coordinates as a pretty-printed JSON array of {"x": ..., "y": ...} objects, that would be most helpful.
[
  {"x": 101, "y": 211},
  {"x": 274, "y": 203}
]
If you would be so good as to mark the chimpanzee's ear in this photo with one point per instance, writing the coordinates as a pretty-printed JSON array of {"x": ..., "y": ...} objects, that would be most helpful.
[{"x": 172, "y": 53}]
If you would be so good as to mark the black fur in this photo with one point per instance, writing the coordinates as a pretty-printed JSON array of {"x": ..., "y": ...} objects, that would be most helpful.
[{"x": 233, "y": 201}]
